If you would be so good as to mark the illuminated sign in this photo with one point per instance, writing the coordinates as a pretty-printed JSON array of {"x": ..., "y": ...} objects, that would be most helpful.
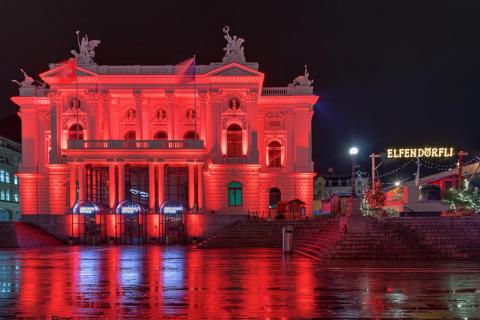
[
  {"x": 171, "y": 208},
  {"x": 87, "y": 210},
  {"x": 420, "y": 153},
  {"x": 128, "y": 207},
  {"x": 85, "y": 207}
]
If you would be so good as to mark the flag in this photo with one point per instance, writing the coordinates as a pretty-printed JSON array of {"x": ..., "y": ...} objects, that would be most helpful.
[
  {"x": 186, "y": 71},
  {"x": 68, "y": 73}
]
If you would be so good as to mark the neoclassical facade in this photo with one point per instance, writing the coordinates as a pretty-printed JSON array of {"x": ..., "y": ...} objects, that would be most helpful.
[{"x": 221, "y": 143}]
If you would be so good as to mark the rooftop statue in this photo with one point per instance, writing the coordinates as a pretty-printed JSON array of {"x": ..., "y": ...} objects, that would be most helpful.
[
  {"x": 234, "y": 51},
  {"x": 86, "y": 49},
  {"x": 28, "y": 82},
  {"x": 302, "y": 80}
]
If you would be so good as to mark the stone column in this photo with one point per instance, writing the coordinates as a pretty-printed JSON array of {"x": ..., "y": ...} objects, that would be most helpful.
[
  {"x": 170, "y": 115},
  {"x": 55, "y": 107},
  {"x": 121, "y": 182},
  {"x": 115, "y": 122},
  {"x": 191, "y": 186},
  {"x": 161, "y": 187},
  {"x": 151, "y": 187},
  {"x": 105, "y": 100},
  {"x": 200, "y": 187},
  {"x": 92, "y": 113},
  {"x": 145, "y": 119},
  {"x": 138, "y": 113},
  {"x": 42, "y": 145},
  {"x": 73, "y": 185},
  {"x": 252, "y": 146},
  {"x": 203, "y": 97},
  {"x": 81, "y": 182},
  {"x": 111, "y": 186}
]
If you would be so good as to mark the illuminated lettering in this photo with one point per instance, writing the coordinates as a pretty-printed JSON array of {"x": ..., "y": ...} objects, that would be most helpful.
[
  {"x": 87, "y": 210},
  {"x": 420, "y": 152},
  {"x": 172, "y": 210},
  {"x": 129, "y": 210}
]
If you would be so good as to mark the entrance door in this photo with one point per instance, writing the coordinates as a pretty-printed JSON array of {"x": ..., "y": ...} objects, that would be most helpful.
[
  {"x": 130, "y": 223},
  {"x": 93, "y": 231},
  {"x": 174, "y": 223},
  {"x": 130, "y": 229}
]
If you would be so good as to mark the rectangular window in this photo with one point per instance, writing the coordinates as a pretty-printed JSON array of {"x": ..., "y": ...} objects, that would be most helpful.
[
  {"x": 7, "y": 195},
  {"x": 15, "y": 197},
  {"x": 2, "y": 176},
  {"x": 15, "y": 180},
  {"x": 235, "y": 194},
  {"x": 7, "y": 177},
  {"x": 2, "y": 195}
]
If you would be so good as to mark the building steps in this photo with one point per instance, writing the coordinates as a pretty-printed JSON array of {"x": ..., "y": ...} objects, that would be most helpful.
[{"x": 28, "y": 236}]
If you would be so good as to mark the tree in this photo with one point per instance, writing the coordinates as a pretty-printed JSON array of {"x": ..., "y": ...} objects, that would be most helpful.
[
  {"x": 375, "y": 198},
  {"x": 467, "y": 197}
]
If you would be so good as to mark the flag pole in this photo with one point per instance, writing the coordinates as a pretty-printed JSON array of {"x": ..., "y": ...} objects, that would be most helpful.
[
  {"x": 77, "y": 104},
  {"x": 195, "y": 96}
]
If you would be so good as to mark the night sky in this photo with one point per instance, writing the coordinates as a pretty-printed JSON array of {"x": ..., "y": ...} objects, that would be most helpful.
[{"x": 389, "y": 73}]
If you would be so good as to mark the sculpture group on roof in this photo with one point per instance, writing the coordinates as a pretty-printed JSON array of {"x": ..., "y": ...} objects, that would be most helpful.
[
  {"x": 302, "y": 80},
  {"x": 86, "y": 49},
  {"x": 234, "y": 51}
]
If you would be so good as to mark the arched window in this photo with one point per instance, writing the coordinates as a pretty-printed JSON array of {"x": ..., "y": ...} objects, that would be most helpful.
[
  {"x": 160, "y": 135},
  {"x": 75, "y": 132},
  {"x": 274, "y": 198},
  {"x": 235, "y": 194},
  {"x": 274, "y": 154},
  {"x": 190, "y": 135},
  {"x": 130, "y": 135},
  {"x": 234, "y": 141}
]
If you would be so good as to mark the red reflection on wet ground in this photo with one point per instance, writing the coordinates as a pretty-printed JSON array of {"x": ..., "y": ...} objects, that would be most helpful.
[{"x": 176, "y": 282}]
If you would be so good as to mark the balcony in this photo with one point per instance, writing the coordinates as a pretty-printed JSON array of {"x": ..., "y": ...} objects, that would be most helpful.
[{"x": 135, "y": 144}]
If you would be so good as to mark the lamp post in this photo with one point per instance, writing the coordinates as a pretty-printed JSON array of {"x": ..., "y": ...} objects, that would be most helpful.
[{"x": 353, "y": 153}]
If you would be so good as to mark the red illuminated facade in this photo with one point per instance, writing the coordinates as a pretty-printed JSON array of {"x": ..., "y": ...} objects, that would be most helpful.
[{"x": 219, "y": 144}]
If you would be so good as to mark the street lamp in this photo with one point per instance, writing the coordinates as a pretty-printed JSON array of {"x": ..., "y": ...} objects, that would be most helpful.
[
  {"x": 353, "y": 153},
  {"x": 397, "y": 183}
]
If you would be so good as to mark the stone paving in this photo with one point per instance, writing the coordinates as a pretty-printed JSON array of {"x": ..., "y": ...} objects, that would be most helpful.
[{"x": 142, "y": 282}]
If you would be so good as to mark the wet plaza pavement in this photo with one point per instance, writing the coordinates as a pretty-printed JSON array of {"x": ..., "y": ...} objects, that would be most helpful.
[{"x": 176, "y": 282}]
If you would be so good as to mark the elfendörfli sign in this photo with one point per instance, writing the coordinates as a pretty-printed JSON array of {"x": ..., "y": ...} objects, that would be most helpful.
[{"x": 427, "y": 152}]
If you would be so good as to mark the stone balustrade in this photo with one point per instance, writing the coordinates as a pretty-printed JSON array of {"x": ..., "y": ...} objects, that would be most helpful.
[{"x": 135, "y": 144}]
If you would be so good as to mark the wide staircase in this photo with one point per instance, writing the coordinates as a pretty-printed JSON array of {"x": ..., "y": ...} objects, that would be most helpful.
[
  {"x": 450, "y": 237},
  {"x": 415, "y": 238},
  {"x": 382, "y": 240},
  {"x": 24, "y": 235},
  {"x": 268, "y": 234}
]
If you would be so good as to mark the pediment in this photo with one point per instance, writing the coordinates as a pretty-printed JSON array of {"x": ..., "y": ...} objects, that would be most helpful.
[
  {"x": 59, "y": 71},
  {"x": 234, "y": 70}
]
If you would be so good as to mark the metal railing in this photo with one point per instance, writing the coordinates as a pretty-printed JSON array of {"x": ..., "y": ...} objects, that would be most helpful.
[{"x": 135, "y": 144}]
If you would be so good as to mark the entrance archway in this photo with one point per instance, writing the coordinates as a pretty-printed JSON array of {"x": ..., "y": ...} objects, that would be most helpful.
[
  {"x": 88, "y": 223},
  {"x": 130, "y": 223},
  {"x": 174, "y": 222}
]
